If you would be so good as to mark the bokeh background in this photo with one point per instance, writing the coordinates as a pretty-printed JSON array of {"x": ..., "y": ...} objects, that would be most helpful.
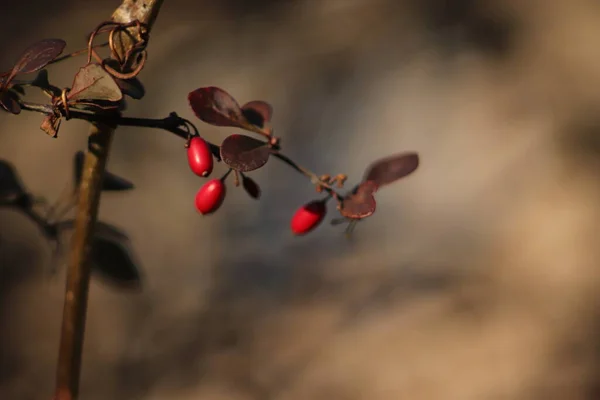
[{"x": 476, "y": 279}]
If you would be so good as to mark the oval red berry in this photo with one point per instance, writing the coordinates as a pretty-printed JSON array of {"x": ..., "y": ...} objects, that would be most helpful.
[
  {"x": 210, "y": 196},
  {"x": 199, "y": 156},
  {"x": 308, "y": 217}
]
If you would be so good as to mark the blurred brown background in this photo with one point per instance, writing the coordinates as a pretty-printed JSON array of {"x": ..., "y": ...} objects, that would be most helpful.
[{"x": 476, "y": 279}]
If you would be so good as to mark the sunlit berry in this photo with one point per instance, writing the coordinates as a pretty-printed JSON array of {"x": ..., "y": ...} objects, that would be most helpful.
[
  {"x": 308, "y": 217},
  {"x": 210, "y": 196},
  {"x": 199, "y": 157}
]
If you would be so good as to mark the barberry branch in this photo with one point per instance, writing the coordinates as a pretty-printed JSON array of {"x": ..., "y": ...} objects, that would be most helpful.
[{"x": 177, "y": 126}]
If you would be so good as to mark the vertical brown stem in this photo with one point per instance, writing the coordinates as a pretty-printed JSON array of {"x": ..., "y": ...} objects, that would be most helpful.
[{"x": 78, "y": 273}]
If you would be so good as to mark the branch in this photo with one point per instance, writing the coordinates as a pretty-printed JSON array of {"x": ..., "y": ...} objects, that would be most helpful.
[
  {"x": 174, "y": 123},
  {"x": 78, "y": 273}
]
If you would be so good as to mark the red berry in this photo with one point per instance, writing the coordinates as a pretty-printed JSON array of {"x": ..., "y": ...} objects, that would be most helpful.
[
  {"x": 210, "y": 196},
  {"x": 199, "y": 156},
  {"x": 308, "y": 217}
]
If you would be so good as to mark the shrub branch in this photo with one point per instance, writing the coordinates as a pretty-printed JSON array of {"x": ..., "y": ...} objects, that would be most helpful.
[{"x": 78, "y": 273}]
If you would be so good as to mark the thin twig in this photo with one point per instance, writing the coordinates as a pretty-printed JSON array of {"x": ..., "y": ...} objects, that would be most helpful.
[
  {"x": 173, "y": 123},
  {"x": 78, "y": 273}
]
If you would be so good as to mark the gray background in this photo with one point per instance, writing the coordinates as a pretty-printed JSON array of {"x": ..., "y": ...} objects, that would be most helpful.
[{"x": 476, "y": 278}]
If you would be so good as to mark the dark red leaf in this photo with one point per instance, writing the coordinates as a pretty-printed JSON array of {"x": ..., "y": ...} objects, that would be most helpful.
[
  {"x": 9, "y": 102},
  {"x": 258, "y": 112},
  {"x": 243, "y": 153},
  {"x": 251, "y": 187},
  {"x": 361, "y": 203},
  {"x": 217, "y": 107},
  {"x": 37, "y": 56},
  {"x": 392, "y": 168}
]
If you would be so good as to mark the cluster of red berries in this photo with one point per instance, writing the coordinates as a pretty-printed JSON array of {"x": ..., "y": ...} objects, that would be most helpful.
[
  {"x": 211, "y": 195},
  {"x": 244, "y": 154}
]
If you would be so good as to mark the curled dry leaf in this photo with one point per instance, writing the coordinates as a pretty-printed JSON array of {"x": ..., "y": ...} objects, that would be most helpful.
[
  {"x": 243, "y": 153},
  {"x": 110, "y": 181},
  {"x": 361, "y": 203},
  {"x": 251, "y": 187},
  {"x": 92, "y": 82},
  {"x": 392, "y": 168},
  {"x": 51, "y": 124}
]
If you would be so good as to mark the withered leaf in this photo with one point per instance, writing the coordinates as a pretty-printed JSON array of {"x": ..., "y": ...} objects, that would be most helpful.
[
  {"x": 251, "y": 187},
  {"x": 244, "y": 153},
  {"x": 392, "y": 168},
  {"x": 110, "y": 181},
  {"x": 9, "y": 102},
  {"x": 37, "y": 56},
  {"x": 360, "y": 203},
  {"x": 51, "y": 124},
  {"x": 92, "y": 82},
  {"x": 257, "y": 112}
]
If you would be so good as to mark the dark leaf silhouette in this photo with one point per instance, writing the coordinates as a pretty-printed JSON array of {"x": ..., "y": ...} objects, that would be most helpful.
[
  {"x": 92, "y": 82},
  {"x": 131, "y": 87},
  {"x": 18, "y": 89},
  {"x": 251, "y": 187},
  {"x": 11, "y": 186},
  {"x": 244, "y": 153},
  {"x": 37, "y": 56},
  {"x": 8, "y": 101},
  {"x": 111, "y": 182},
  {"x": 111, "y": 257},
  {"x": 258, "y": 112},
  {"x": 361, "y": 203},
  {"x": 78, "y": 160},
  {"x": 392, "y": 168},
  {"x": 113, "y": 262},
  {"x": 41, "y": 80}
]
